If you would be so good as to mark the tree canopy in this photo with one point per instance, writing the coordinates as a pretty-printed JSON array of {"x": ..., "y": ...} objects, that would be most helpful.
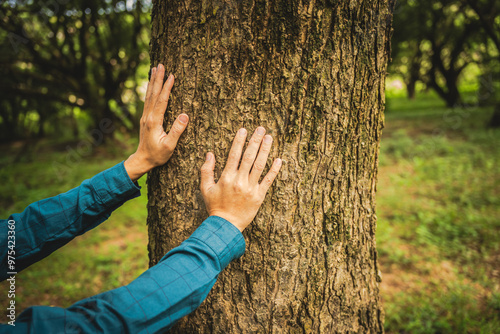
[
  {"x": 64, "y": 58},
  {"x": 434, "y": 41}
]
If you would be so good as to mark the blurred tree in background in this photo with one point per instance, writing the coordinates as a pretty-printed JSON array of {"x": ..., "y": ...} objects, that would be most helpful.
[
  {"x": 488, "y": 12},
  {"x": 435, "y": 41},
  {"x": 69, "y": 64}
]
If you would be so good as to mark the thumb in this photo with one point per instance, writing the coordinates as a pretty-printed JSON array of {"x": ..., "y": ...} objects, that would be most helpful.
[
  {"x": 177, "y": 129},
  {"x": 207, "y": 173}
]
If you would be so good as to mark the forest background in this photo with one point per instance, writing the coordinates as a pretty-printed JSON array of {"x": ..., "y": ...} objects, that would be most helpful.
[{"x": 72, "y": 81}]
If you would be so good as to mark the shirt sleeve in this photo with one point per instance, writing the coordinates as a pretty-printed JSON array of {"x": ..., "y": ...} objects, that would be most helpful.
[
  {"x": 49, "y": 224},
  {"x": 154, "y": 301}
]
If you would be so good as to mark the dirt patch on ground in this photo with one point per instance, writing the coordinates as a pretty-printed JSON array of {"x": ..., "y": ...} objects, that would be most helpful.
[
  {"x": 120, "y": 238},
  {"x": 426, "y": 278}
]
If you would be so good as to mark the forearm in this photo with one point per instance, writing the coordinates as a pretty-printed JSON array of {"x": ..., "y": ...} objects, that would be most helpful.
[
  {"x": 49, "y": 224},
  {"x": 154, "y": 301}
]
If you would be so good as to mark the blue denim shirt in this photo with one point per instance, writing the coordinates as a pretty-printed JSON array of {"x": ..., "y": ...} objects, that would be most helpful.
[{"x": 153, "y": 302}]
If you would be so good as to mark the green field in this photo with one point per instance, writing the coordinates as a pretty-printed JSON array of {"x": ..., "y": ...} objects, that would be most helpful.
[
  {"x": 107, "y": 257},
  {"x": 438, "y": 229},
  {"x": 439, "y": 219}
]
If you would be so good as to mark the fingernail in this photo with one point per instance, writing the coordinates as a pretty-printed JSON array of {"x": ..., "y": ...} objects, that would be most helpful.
[
  {"x": 153, "y": 70},
  {"x": 268, "y": 139},
  {"x": 160, "y": 66},
  {"x": 183, "y": 118},
  {"x": 261, "y": 131},
  {"x": 209, "y": 157},
  {"x": 278, "y": 162},
  {"x": 242, "y": 132},
  {"x": 171, "y": 76}
]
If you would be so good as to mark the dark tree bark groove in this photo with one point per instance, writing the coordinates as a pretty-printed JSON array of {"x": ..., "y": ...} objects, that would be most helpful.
[{"x": 313, "y": 73}]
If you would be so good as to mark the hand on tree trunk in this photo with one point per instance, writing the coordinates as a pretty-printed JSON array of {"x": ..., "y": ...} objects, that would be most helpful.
[
  {"x": 155, "y": 145},
  {"x": 238, "y": 195}
]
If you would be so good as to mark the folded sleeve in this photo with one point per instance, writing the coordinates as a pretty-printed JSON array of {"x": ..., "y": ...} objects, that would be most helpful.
[
  {"x": 49, "y": 224},
  {"x": 154, "y": 301}
]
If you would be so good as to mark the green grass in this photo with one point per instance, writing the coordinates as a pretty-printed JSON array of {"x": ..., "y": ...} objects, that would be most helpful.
[
  {"x": 439, "y": 219},
  {"x": 438, "y": 229},
  {"x": 110, "y": 256}
]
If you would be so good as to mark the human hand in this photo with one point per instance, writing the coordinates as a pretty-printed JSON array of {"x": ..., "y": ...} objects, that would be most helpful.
[
  {"x": 155, "y": 145},
  {"x": 237, "y": 196}
]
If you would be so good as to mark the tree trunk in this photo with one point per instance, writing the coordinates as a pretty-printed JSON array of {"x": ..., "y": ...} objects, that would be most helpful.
[
  {"x": 495, "y": 119},
  {"x": 312, "y": 73},
  {"x": 414, "y": 74},
  {"x": 453, "y": 97},
  {"x": 410, "y": 89}
]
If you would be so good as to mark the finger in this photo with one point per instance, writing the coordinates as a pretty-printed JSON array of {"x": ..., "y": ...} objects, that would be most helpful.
[
  {"x": 157, "y": 84},
  {"x": 176, "y": 131},
  {"x": 270, "y": 176},
  {"x": 150, "y": 87},
  {"x": 207, "y": 173},
  {"x": 260, "y": 162},
  {"x": 162, "y": 101},
  {"x": 235, "y": 153},
  {"x": 252, "y": 149},
  {"x": 150, "y": 83}
]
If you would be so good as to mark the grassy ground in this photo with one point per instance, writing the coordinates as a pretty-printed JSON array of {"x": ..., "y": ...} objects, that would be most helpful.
[
  {"x": 439, "y": 219},
  {"x": 111, "y": 255},
  {"x": 438, "y": 232}
]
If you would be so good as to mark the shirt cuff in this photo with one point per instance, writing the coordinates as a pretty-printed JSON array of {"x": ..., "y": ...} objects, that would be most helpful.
[
  {"x": 114, "y": 186},
  {"x": 222, "y": 237}
]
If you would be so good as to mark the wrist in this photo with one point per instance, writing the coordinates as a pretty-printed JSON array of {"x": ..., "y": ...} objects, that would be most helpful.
[
  {"x": 136, "y": 166},
  {"x": 230, "y": 218}
]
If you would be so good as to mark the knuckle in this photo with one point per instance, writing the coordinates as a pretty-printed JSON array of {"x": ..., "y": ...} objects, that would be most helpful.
[
  {"x": 234, "y": 156},
  {"x": 225, "y": 179},
  {"x": 163, "y": 98},
  {"x": 265, "y": 149},
  {"x": 248, "y": 158},
  {"x": 240, "y": 139},
  {"x": 238, "y": 185},
  {"x": 255, "y": 140},
  {"x": 205, "y": 169},
  {"x": 176, "y": 130},
  {"x": 268, "y": 180},
  {"x": 149, "y": 122},
  {"x": 259, "y": 166}
]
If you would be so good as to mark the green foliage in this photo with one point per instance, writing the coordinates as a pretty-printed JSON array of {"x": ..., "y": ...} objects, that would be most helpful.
[
  {"x": 64, "y": 60},
  {"x": 435, "y": 41}
]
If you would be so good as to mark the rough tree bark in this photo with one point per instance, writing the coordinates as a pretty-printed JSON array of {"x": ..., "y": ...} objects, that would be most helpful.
[{"x": 313, "y": 73}]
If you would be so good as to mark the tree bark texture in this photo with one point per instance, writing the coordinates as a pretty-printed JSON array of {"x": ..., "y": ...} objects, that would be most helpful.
[{"x": 312, "y": 73}]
